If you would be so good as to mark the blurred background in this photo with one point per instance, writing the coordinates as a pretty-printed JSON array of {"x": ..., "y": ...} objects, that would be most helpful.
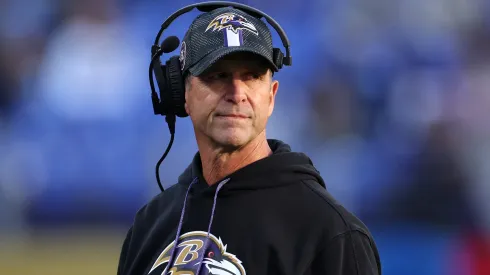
[{"x": 390, "y": 98}]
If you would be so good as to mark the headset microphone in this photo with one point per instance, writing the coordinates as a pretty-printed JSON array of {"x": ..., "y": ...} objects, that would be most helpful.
[{"x": 170, "y": 44}]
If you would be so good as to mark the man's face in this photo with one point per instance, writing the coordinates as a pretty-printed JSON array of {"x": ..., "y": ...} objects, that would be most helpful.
[{"x": 230, "y": 103}]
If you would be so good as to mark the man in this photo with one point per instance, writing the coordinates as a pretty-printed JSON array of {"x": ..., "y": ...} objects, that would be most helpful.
[{"x": 246, "y": 204}]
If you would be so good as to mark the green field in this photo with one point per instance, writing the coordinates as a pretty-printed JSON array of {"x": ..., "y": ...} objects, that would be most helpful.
[{"x": 60, "y": 253}]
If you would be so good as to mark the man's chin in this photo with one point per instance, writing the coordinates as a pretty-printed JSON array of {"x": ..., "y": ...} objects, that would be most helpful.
[{"x": 231, "y": 142}]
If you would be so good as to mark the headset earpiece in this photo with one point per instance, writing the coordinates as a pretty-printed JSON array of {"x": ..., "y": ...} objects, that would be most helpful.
[
  {"x": 278, "y": 57},
  {"x": 174, "y": 93},
  {"x": 172, "y": 88}
]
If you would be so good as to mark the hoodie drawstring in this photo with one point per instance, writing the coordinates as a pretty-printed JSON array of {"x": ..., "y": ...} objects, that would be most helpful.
[
  {"x": 201, "y": 258},
  {"x": 174, "y": 248}
]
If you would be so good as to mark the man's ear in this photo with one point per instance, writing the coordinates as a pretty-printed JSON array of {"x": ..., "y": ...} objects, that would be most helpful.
[{"x": 272, "y": 94}]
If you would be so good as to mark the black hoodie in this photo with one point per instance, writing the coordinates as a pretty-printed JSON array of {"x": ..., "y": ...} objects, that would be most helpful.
[{"x": 273, "y": 216}]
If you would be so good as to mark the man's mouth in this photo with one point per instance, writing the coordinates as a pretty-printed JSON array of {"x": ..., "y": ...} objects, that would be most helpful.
[{"x": 237, "y": 116}]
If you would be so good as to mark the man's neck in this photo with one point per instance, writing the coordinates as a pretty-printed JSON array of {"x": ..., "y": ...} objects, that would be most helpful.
[{"x": 217, "y": 164}]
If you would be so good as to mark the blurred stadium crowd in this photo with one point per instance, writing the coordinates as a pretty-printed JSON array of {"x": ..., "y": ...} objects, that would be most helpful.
[{"x": 390, "y": 98}]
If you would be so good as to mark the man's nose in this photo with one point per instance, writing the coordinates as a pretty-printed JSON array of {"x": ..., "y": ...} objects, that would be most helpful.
[{"x": 236, "y": 91}]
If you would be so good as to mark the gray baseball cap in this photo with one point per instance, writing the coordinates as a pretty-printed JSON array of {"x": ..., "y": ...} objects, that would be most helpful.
[{"x": 220, "y": 32}]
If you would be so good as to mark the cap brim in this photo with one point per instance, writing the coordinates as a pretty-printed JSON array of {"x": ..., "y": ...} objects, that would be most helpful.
[{"x": 216, "y": 55}]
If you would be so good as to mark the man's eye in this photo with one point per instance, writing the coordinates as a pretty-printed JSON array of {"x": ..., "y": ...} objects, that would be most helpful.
[
  {"x": 254, "y": 75},
  {"x": 218, "y": 75}
]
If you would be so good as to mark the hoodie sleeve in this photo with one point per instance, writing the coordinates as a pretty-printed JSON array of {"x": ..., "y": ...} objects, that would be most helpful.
[
  {"x": 124, "y": 252},
  {"x": 350, "y": 253}
]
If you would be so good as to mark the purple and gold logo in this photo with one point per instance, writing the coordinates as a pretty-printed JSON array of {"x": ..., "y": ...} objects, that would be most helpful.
[
  {"x": 233, "y": 26},
  {"x": 188, "y": 253},
  {"x": 232, "y": 22}
]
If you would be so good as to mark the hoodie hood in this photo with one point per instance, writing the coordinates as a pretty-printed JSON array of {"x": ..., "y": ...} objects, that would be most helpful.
[{"x": 282, "y": 167}]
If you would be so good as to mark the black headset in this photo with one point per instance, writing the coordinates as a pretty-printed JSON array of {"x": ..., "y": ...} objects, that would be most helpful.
[{"x": 169, "y": 77}]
